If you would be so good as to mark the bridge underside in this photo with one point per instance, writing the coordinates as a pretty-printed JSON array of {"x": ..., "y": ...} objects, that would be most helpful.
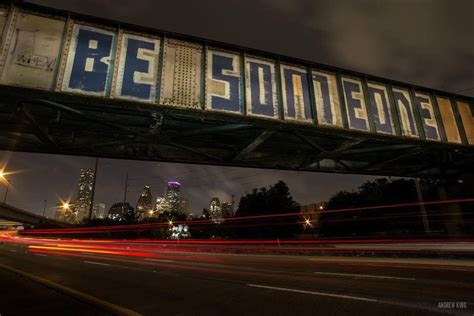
[{"x": 44, "y": 122}]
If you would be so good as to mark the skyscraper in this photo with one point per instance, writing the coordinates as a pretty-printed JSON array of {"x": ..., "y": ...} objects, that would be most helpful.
[
  {"x": 215, "y": 210},
  {"x": 173, "y": 197},
  {"x": 161, "y": 205},
  {"x": 84, "y": 194},
  {"x": 121, "y": 212},
  {"x": 99, "y": 211},
  {"x": 144, "y": 204}
]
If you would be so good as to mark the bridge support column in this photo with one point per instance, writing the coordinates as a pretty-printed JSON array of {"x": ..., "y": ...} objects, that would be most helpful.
[{"x": 454, "y": 224}]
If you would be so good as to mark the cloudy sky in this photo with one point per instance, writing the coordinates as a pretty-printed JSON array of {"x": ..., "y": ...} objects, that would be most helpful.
[{"x": 423, "y": 42}]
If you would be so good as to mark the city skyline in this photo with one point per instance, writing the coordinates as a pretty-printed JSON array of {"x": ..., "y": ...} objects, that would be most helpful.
[{"x": 57, "y": 176}]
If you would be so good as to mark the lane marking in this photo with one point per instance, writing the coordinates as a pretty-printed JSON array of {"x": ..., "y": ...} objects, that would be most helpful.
[
  {"x": 365, "y": 276},
  {"x": 160, "y": 260},
  {"x": 439, "y": 264},
  {"x": 358, "y": 298},
  {"x": 75, "y": 293},
  {"x": 41, "y": 255},
  {"x": 12, "y": 250},
  {"x": 453, "y": 268},
  {"x": 98, "y": 263}
]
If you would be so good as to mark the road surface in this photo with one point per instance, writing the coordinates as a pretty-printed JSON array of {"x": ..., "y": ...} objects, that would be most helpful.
[{"x": 153, "y": 282}]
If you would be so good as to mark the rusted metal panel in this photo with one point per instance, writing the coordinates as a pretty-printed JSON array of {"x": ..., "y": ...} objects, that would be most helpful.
[
  {"x": 181, "y": 75},
  {"x": 33, "y": 51},
  {"x": 449, "y": 121},
  {"x": 466, "y": 112},
  {"x": 3, "y": 20}
]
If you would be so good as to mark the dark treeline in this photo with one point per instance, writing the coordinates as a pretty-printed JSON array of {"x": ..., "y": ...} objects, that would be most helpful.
[{"x": 450, "y": 219}]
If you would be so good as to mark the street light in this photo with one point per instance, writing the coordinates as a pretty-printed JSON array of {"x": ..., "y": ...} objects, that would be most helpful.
[{"x": 2, "y": 176}]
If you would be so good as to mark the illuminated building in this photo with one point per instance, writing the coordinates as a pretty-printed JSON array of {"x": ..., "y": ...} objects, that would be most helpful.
[
  {"x": 180, "y": 232},
  {"x": 215, "y": 210},
  {"x": 144, "y": 204},
  {"x": 121, "y": 212},
  {"x": 84, "y": 194},
  {"x": 99, "y": 211},
  {"x": 161, "y": 205},
  {"x": 173, "y": 196}
]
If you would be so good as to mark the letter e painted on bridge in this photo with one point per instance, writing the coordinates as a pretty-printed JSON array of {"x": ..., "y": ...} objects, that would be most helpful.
[
  {"x": 326, "y": 97},
  {"x": 355, "y": 102},
  {"x": 380, "y": 108},
  {"x": 295, "y": 90},
  {"x": 88, "y": 66},
  {"x": 466, "y": 111},
  {"x": 428, "y": 117},
  {"x": 260, "y": 85},
  {"x": 449, "y": 120},
  {"x": 405, "y": 112},
  {"x": 137, "y": 70},
  {"x": 223, "y": 83}
]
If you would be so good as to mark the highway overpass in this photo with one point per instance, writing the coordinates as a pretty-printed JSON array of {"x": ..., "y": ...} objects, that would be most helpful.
[{"x": 14, "y": 214}]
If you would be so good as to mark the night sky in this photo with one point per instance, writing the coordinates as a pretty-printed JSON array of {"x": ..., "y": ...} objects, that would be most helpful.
[{"x": 423, "y": 42}]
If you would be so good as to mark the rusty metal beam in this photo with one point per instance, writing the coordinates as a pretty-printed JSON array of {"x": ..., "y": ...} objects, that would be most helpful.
[{"x": 253, "y": 145}]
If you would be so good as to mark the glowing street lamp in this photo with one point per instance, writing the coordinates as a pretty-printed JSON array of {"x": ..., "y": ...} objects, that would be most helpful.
[{"x": 3, "y": 178}]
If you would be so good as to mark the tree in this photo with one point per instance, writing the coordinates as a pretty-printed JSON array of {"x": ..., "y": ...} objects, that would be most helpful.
[
  {"x": 273, "y": 201},
  {"x": 357, "y": 213}
]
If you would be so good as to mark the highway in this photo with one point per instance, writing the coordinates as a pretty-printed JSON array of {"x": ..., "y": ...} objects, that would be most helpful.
[{"x": 152, "y": 280}]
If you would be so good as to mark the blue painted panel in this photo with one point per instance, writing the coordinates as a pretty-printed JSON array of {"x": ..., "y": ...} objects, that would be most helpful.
[
  {"x": 261, "y": 88},
  {"x": 355, "y": 102},
  {"x": 326, "y": 97},
  {"x": 138, "y": 68},
  {"x": 380, "y": 107},
  {"x": 428, "y": 118},
  {"x": 405, "y": 112},
  {"x": 89, "y": 61},
  {"x": 296, "y": 100},
  {"x": 223, "y": 82}
]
